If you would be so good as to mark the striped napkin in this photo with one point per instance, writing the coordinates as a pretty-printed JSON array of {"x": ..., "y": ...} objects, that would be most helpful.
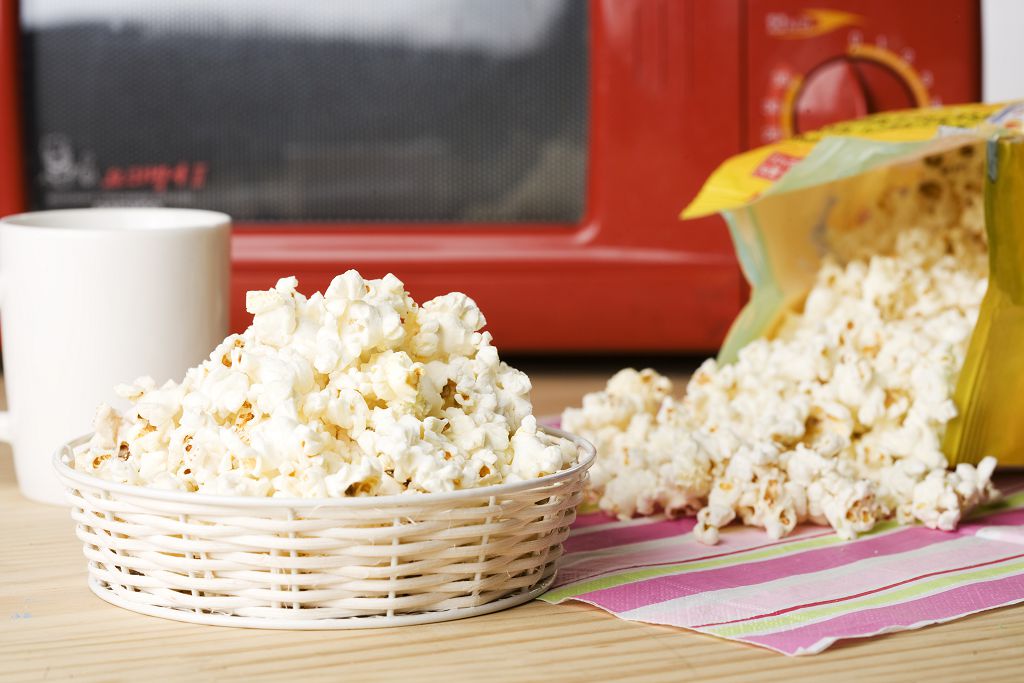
[{"x": 800, "y": 594}]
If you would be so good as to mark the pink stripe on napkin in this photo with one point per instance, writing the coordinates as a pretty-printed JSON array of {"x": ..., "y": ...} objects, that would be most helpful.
[
  {"x": 629, "y": 534},
  {"x": 912, "y": 614}
]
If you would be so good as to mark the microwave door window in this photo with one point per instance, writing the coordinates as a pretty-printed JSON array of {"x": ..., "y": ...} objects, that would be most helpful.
[{"x": 393, "y": 110}]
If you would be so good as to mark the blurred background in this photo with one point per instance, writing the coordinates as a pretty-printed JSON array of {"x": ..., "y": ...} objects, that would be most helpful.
[{"x": 534, "y": 154}]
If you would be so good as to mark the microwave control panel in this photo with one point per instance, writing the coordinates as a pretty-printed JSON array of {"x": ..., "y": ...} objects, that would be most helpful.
[{"x": 810, "y": 67}]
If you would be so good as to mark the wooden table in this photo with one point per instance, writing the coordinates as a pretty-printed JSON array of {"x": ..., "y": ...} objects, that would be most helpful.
[{"x": 53, "y": 628}]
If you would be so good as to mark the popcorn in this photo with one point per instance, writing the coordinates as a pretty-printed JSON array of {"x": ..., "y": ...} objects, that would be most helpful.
[
  {"x": 838, "y": 419},
  {"x": 357, "y": 391}
]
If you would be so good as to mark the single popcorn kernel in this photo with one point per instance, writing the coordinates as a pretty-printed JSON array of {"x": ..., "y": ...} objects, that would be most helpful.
[
  {"x": 930, "y": 189},
  {"x": 356, "y": 391}
]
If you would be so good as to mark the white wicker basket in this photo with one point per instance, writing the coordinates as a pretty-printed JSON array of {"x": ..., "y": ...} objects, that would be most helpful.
[{"x": 323, "y": 563}]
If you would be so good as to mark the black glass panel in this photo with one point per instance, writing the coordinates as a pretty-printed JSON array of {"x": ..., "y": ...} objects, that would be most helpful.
[{"x": 444, "y": 110}]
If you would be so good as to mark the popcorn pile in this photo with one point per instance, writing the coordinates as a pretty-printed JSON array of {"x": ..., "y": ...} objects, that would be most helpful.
[
  {"x": 838, "y": 418},
  {"x": 354, "y": 392}
]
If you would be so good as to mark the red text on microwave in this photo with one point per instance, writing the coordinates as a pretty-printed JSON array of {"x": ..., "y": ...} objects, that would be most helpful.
[{"x": 157, "y": 177}]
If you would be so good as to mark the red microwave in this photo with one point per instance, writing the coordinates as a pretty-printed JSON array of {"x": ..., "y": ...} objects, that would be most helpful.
[{"x": 533, "y": 155}]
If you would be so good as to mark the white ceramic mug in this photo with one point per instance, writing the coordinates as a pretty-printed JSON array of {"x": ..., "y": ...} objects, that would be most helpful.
[{"x": 90, "y": 298}]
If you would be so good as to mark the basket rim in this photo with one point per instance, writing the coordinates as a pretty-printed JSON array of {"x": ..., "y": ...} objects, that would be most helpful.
[{"x": 68, "y": 475}]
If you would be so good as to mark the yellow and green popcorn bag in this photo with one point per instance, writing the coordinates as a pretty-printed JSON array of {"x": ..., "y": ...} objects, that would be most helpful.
[
  {"x": 847, "y": 190},
  {"x": 990, "y": 389}
]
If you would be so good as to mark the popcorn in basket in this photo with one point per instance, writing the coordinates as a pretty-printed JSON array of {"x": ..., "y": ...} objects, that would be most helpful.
[{"x": 351, "y": 460}]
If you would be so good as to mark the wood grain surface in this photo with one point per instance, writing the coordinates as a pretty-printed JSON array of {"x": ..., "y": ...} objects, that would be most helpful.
[{"x": 53, "y": 628}]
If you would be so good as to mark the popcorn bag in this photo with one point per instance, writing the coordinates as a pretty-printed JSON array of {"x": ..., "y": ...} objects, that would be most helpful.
[{"x": 941, "y": 190}]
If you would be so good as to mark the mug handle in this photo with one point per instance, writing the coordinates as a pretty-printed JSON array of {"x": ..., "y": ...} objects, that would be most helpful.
[{"x": 5, "y": 415}]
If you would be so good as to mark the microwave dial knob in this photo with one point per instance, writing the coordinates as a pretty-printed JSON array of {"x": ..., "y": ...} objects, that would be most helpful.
[{"x": 846, "y": 88}]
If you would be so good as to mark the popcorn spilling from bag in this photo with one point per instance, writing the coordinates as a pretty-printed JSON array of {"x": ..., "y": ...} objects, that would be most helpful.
[
  {"x": 356, "y": 391},
  {"x": 837, "y": 419}
]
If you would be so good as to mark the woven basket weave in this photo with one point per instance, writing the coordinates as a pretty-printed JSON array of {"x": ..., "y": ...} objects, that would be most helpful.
[{"x": 322, "y": 563}]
